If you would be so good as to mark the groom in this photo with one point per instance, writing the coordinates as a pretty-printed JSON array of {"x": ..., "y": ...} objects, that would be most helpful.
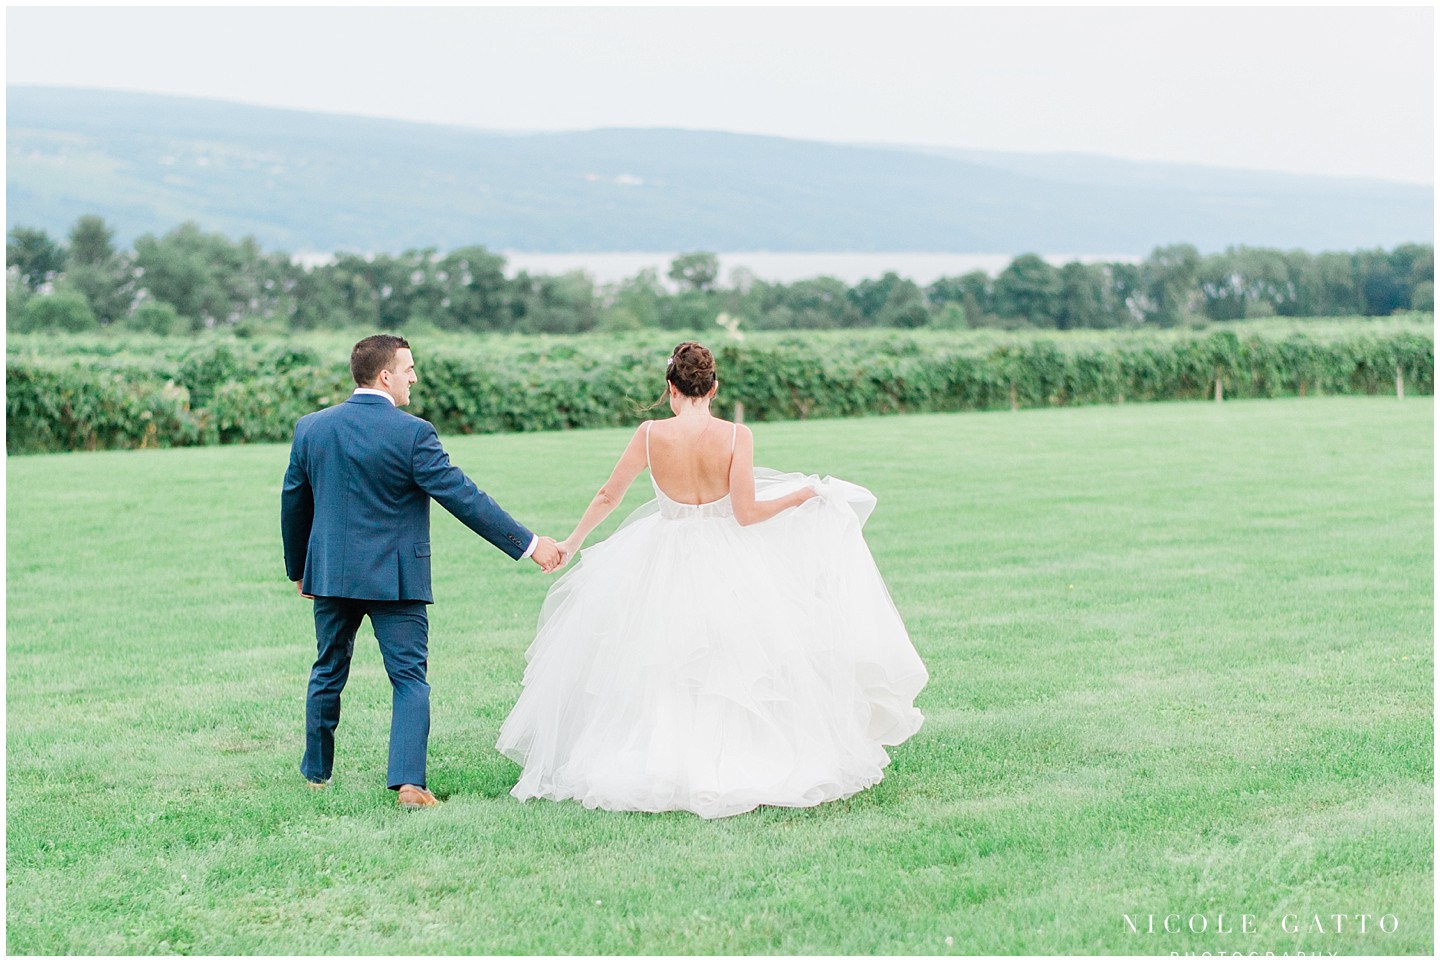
[{"x": 355, "y": 518}]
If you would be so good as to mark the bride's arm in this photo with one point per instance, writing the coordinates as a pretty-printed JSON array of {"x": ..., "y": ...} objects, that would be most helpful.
[
  {"x": 611, "y": 493},
  {"x": 748, "y": 511}
]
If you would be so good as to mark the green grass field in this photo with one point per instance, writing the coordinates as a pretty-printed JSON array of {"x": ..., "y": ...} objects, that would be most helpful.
[{"x": 1181, "y": 664}]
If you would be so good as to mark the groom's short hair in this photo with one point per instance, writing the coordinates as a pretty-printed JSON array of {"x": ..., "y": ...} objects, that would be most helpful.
[{"x": 373, "y": 355}]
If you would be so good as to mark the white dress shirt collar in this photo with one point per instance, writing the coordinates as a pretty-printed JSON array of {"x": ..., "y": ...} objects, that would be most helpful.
[{"x": 374, "y": 390}]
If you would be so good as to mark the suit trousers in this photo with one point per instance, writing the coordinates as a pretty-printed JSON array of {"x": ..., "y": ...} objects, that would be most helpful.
[{"x": 402, "y": 629}]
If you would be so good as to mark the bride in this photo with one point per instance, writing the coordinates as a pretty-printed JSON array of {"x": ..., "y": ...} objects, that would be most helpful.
[{"x": 731, "y": 645}]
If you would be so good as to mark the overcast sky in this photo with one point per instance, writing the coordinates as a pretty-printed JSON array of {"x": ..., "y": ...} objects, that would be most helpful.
[{"x": 1318, "y": 90}]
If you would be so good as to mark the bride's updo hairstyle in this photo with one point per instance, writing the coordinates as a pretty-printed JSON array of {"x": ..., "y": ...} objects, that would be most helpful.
[{"x": 691, "y": 369}]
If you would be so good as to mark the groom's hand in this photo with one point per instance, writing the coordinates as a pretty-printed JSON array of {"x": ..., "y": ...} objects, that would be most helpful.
[
  {"x": 547, "y": 555},
  {"x": 302, "y": 591}
]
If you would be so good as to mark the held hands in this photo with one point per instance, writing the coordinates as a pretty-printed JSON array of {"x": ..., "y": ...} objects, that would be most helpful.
[
  {"x": 566, "y": 548},
  {"x": 548, "y": 555}
]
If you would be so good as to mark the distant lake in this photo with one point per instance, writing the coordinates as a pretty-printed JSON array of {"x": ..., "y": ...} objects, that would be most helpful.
[{"x": 850, "y": 267}]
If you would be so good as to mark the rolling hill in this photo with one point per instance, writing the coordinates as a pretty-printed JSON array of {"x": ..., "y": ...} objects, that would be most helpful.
[{"x": 301, "y": 181}]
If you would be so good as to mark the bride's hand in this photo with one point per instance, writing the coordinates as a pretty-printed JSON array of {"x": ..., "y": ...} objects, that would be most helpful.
[
  {"x": 567, "y": 551},
  {"x": 805, "y": 494}
]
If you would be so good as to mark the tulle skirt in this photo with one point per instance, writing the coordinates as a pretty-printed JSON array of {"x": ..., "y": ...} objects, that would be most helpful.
[{"x": 688, "y": 663}]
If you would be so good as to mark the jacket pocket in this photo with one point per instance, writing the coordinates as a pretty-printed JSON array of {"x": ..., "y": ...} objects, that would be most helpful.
[{"x": 422, "y": 549}]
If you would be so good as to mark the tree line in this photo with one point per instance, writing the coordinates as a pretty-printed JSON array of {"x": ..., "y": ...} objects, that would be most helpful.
[{"x": 188, "y": 280}]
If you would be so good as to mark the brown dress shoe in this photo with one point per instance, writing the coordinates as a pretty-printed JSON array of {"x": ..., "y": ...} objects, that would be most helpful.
[{"x": 413, "y": 796}]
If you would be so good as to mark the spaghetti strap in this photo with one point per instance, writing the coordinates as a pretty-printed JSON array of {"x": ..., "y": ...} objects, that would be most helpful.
[
  {"x": 733, "y": 428},
  {"x": 647, "y": 442}
]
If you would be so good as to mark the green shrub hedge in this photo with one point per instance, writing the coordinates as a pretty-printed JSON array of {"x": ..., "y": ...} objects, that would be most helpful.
[{"x": 237, "y": 391}]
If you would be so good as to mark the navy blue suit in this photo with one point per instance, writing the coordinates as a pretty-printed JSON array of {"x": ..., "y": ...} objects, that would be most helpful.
[{"x": 355, "y": 520}]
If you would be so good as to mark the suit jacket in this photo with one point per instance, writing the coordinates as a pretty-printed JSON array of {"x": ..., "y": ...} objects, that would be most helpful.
[{"x": 355, "y": 508}]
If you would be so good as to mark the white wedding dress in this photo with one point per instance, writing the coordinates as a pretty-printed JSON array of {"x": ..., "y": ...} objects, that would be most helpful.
[{"x": 689, "y": 663}]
